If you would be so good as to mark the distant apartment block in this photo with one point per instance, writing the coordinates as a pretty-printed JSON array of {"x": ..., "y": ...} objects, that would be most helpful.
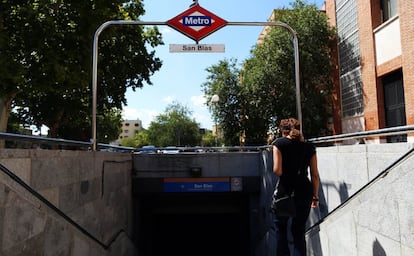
[{"x": 129, "y": 129}]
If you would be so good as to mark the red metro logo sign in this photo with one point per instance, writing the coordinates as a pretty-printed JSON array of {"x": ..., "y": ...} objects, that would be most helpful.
[{"x": 196, "y": 22}]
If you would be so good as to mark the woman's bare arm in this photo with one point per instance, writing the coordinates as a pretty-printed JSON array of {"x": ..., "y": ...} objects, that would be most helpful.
[
  {"x": 314, "y": 175},
  {"x": 277, "y": 161}
]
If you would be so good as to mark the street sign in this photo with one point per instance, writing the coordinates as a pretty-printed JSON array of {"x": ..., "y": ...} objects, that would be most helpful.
[
  {"x": 197, "y": 48},
  {"x": 196, "y": 22},
  {"x": 213, "y": 184}
]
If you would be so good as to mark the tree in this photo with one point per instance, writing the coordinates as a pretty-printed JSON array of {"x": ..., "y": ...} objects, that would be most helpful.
[
  {"x": 228, "y": 112},
  {"x": 128, "y": 142},
  {"x": 45, "y": 61},
  {"x": 138, "y": 141},
  {"x": 269, "y": 73},
  {"x": 210, "y": 140},
  {"x": 174, "y": 127},
  {"x": 141, "y": 139},
  {"x": 109, "y": 123},
  {"x": 263, "y": 91}
]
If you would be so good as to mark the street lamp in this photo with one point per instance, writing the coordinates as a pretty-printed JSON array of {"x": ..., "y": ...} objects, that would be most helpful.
[{"x": 214, "y": 100}]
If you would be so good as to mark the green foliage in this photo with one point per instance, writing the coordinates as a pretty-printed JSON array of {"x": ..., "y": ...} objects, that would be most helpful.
[
  {"x": 209, "y": 140},
  {"x": 174, "y": 128},
  {"x": 255, "y": 98},
  {"x": 46, "y": 61},
  {"x": 128, "y": 142},
  {"x": 269, "y": 74},
  {"x": 141, "y": 139},
  {"x": 13, "y": 126},
  {"x": 228, "y": 112},
  {"x": 109, "y": 123},
  {"x": 138, "y": 141}
]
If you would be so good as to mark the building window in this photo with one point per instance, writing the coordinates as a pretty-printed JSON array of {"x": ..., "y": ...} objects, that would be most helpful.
[
  {"x": 126, "y": 124},
  {"x": 352, "y": 94},
  {"x": 389, "y": 9},
  {"x": 349, "y": 52},
  {"x": 126, "y": 131},
  {"x": 136, "y": 125},
  {"x": 394, "y": 104}
]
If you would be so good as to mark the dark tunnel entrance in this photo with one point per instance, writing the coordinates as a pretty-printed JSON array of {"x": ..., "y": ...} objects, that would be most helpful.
[{"x": 193, "y": 224}]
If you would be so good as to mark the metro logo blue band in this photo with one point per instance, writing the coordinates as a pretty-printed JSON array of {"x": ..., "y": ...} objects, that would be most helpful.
[{"x": 196, "y": 21}]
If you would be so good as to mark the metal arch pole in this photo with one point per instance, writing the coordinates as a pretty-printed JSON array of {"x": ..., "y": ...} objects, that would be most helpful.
[
  {"x": 126, "y": 22},
  {"x": 296, "y": 52},
  {"x": 95, "y": 65}
]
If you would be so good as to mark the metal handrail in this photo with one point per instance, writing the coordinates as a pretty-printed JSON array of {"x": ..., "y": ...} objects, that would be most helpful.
[
  {"x": 88, "y": 145},
  {"x": 398, "y": 130},
  {"x": 365, "y": 134},
  {"x": 57, "y": 141},
  {"x": 189, "y": 149},
  {"x": 31, "y": 138}
]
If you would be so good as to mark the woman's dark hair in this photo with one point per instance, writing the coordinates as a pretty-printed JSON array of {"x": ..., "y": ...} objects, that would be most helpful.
[{"x": 291, "y": 127}]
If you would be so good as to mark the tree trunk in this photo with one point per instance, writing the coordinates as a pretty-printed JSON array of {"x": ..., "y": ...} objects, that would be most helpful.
[
  {"x": 5, "y": 108},
  {"x": 53, "y": 129}
]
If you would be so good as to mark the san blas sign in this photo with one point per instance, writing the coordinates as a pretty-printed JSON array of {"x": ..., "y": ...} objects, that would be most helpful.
[{"x": 196, "y": 22}]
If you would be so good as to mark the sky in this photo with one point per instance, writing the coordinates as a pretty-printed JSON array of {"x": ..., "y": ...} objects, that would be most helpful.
[{"x": 182, "y": 74}]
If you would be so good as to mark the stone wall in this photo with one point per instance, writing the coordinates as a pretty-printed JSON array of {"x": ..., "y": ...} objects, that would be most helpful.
[
  {"x": 346, "y": 169},
  {"x": 92, "y": 188},
  {"x": 376, "y": 221}
]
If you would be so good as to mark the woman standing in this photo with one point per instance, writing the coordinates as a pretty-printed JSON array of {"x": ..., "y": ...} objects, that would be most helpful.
[{"x": 291, "y": 159}]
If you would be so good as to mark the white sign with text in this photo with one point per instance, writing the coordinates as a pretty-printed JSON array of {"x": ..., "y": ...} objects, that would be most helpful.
[{"x": 197, "y": 48}]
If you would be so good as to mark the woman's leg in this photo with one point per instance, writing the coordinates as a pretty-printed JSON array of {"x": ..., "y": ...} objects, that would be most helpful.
[
  {"x": 282, "y": 245},
  {"x": 299, "y": 226}
]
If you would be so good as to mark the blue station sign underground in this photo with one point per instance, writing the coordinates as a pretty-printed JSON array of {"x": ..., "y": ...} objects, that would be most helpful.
[{"x": 196, "y": 22}]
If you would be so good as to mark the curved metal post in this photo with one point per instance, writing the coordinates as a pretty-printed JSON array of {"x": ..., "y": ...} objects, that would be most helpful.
[
  {"x": 95, "y": 66},
  {"x": 126, "y": 22}
]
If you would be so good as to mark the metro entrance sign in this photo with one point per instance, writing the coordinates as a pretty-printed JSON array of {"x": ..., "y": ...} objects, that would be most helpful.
[{"x": 196, "y": 22}]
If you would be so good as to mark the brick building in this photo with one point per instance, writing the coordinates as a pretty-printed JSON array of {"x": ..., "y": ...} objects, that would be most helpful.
[{"x": 376, "y": 63}]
